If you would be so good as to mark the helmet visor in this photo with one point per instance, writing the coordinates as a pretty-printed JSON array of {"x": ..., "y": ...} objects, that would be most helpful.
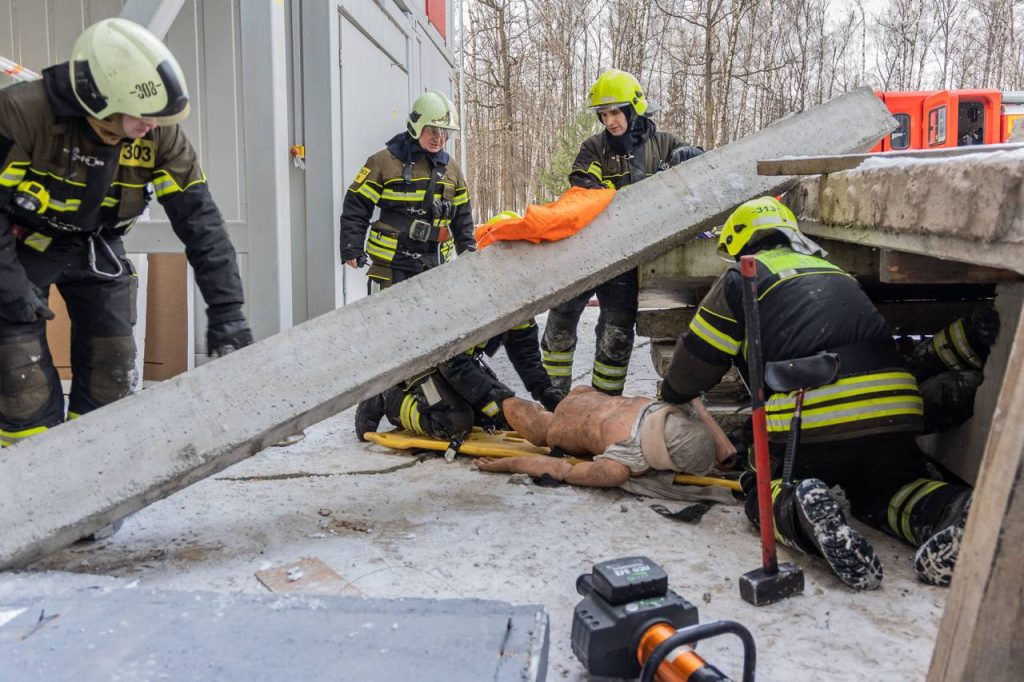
[{"x": 446, "y": 133}]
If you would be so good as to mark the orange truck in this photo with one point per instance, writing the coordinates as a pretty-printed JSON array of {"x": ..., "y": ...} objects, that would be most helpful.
[{"x": 950, "y": 118}]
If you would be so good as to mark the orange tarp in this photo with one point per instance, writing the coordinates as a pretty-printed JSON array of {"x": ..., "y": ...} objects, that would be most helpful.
[{"x": 562, "y": 218}]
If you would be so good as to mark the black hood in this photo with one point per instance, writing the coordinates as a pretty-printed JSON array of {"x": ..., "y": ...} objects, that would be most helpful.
[
  {"x": 57, "y": 81},
  {"x": 640, "y": 128},
  {"x": 408, "y": 150}
]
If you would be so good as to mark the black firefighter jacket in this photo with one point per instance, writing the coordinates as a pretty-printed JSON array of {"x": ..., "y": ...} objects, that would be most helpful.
[{"x": 45, "y": 138}]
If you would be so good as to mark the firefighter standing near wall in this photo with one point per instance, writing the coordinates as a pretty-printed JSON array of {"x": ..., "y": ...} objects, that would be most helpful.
[
  {"x": 423, "y": 200},
  {"x": 858, "y": 431},
  {"x": 78, "y": 151},
  {"x": 627, "y": 151}
]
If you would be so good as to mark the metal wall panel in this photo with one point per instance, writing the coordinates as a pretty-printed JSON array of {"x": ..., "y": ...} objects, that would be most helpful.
[{"x": 38, "y": 33}]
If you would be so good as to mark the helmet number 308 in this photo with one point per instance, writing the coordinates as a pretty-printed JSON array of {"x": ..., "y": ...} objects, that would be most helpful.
[{"x": 146, "y": 89}]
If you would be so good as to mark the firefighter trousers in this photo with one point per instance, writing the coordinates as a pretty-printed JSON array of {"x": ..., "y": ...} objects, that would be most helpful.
[
  {"x": 615, "y": 333},
  {"x": 884, "y": 477},
  {"x": 102, "y": 313},
  {"x": 429, "y": 406}
]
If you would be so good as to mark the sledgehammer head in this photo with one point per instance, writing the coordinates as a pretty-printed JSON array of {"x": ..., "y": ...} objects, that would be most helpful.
[{"x": 759, "y": 587}]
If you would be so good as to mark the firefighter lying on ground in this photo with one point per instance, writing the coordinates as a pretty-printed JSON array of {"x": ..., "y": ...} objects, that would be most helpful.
[
  {"x": 626, "y": 437},
  {"x": 423, "y": 200},
  {"x": 628, "y": 150},
  {"x": 858, "y": 432},
  {"x": 445, "y": 402},
  {"x": 79, "y": 150}
]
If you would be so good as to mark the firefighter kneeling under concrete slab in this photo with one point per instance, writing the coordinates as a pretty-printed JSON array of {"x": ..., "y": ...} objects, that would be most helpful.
[{"x": 858, "y": 431}]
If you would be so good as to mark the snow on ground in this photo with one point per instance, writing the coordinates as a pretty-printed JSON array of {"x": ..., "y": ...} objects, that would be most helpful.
[{"x": 433, "y": 529}]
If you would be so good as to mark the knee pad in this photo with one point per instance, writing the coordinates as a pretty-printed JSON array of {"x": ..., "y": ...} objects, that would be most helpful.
[
  {"x": 24, "y": 385},
  {"x": 615, "y": 342},
  {"x": 112, "y": 374},
  {"x": 558, "y": 338}
]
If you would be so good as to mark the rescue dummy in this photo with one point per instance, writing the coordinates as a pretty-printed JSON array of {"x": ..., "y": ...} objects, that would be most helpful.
[{"x": 627, "y": 437}]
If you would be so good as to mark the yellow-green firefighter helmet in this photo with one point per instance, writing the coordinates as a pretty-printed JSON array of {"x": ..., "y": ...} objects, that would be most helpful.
[
  {"x": 432, "y": 108},
  {"x": 504, "y": 215},
  {"x": 752, "y": 221},
  {"x": 118, "y": 67},
  {"x": 617, "y": 88}
]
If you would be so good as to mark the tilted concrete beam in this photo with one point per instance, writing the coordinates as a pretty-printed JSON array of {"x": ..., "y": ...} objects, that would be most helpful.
[
  {"x": 75, "y": 479},
  {"x": 967, "y": 208}
]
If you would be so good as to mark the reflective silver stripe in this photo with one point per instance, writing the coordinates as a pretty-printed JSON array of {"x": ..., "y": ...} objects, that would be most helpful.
[
  {"x": 944, "y": 350},
  {"x": 849, "y": 387},
  {"x": 827, "y": 416},
  {"x": 610, "y": 370},
  {"x": 963, "y": 347},
  {"x": 558, "y": 356},
  {"x": 558, "y": 370},
  {"x": 713, "y": 337},
  {"x": 12, "y": 175},
  {"x": 490, "y": 409},
  {"x": 608, "y": 385}
]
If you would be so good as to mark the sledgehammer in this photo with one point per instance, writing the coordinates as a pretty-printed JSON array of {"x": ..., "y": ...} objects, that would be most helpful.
[{"x": 773, "y": 581}]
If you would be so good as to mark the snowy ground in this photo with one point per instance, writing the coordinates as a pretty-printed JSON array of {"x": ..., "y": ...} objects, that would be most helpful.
[{"x": 442, "y": 530}]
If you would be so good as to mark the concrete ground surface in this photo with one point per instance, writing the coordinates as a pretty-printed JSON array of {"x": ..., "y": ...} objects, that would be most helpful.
[{"x": 395, "y": 527}]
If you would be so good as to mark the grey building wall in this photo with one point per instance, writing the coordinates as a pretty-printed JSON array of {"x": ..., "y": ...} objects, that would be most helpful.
[{"x": 337, "y": 76}]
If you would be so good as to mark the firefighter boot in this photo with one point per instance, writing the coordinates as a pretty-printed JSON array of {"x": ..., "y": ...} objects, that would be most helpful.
[
  {"x": 936, "y": 557},
  {"x": 849, "y": 555},
  {"x": 368, "y": 415}
]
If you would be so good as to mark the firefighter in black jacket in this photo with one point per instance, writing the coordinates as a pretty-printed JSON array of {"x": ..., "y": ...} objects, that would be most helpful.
[
  {"x": 627, "y": 151},
  {"x": 422, "y": 197},
  {"x": 78, "y": 151},
  {"x": 858, "y": 431}
]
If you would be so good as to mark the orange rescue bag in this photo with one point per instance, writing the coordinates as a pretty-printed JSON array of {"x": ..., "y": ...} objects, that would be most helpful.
[{"x": 562, "y": 218}]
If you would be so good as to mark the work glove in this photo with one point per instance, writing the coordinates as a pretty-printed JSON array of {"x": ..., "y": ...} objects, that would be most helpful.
[
  {"x": 551, "y": 397},
  {"x": 680, "y": 154},
  {"x": 443, "y": 210},
  {"x": 28, "y": 308},
  {"x": 226, "y": 329}
]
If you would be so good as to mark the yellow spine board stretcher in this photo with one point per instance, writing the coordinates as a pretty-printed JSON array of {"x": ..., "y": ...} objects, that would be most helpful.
[{"x": 506, "y": 444}]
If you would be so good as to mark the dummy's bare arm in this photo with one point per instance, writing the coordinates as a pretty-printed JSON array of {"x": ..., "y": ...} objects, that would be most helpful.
[
  {"x": 603, "y": 473},
  {"x": 725, "y": 452}
]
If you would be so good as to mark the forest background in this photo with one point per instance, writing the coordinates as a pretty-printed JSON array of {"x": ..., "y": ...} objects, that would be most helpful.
[{"x": 717, "y": 69}]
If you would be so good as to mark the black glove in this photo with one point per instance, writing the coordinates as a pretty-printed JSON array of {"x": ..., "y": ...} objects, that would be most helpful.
[
  {"x": 551, "y": 397},
  {"x": 443, "y": 210},
  {"x": 680, "y": 154},
  {"x": 28, "y": 308},
  {"x": 226, "y": 329}
]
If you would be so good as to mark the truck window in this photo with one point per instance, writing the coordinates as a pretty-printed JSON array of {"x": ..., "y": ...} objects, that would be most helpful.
[
  {"x": 900, "y": 138},
  {"x": 971, "y": 123},
  {"x": 937, "y": 126}
]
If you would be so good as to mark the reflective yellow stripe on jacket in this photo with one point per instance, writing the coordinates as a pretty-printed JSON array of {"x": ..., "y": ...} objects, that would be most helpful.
[{"x": 878, "y": 395}]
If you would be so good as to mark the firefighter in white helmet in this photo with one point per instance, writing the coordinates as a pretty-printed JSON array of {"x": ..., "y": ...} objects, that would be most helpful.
[{"x": 79, "y": 151}]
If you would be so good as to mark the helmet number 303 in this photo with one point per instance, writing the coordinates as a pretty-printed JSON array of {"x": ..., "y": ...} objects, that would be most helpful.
[{"x": 146, "y": 89}]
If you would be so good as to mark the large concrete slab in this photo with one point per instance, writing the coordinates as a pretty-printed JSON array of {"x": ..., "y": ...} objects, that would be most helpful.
[
  {"x": 75, "y": 479},
  {"x": 132, "y": 634},
  {"x": 967, "y": 208}
]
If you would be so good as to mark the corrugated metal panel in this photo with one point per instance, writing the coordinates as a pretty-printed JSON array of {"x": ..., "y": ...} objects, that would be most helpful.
[{"x": 38, "y": 33}]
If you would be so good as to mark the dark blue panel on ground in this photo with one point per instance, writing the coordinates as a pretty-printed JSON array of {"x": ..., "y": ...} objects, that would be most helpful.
[{"x": 128, "y": 634}]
